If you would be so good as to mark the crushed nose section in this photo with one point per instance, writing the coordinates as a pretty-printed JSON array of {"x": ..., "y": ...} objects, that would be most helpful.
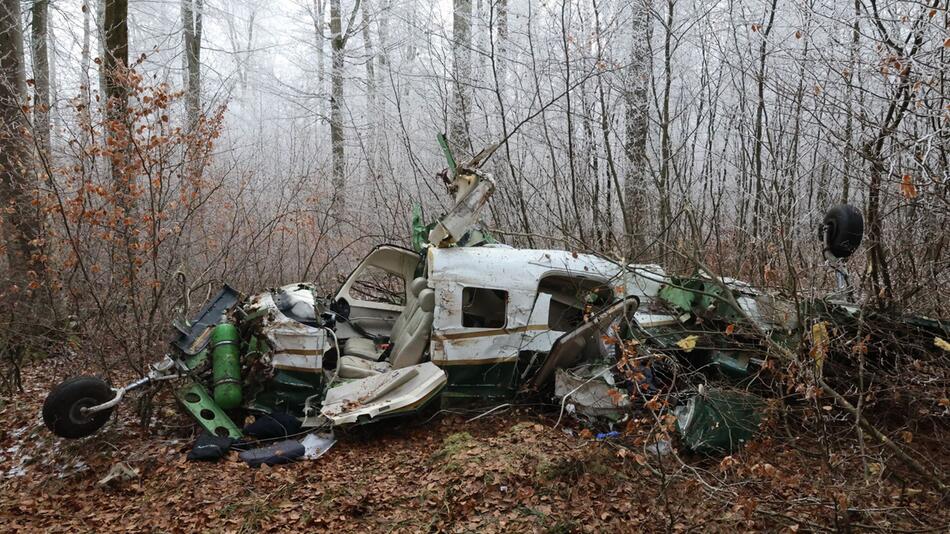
[
  {"x": 460, "y": 219},
  {"x": 397, "y": 392}
]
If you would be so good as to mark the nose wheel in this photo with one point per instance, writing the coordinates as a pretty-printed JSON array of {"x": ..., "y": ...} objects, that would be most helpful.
[{"x": 65, "y": 411}]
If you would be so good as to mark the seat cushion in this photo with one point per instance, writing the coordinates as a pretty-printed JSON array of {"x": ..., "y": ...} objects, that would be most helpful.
[
  {"x": 409, "y": 346},
  {"x": 361, "y": 348},
  {"x": 354, "y": 367}
]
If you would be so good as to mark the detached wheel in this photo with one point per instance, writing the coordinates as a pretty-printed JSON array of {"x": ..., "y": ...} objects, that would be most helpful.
[
  {"x": 63, "y": 408},
  {"x": 843, "y": 229}
]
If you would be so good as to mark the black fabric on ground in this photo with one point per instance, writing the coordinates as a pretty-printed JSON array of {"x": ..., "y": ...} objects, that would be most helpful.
[
  {"x": 277, "y": 453},
  {"x": 209, "y": 448},
  {"x": 274, "y": 425}
]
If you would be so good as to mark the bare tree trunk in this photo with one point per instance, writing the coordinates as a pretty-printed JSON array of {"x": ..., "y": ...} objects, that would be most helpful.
[
  {"x": 338, "y": 42},
  {"x": 637, "y": 106},
  {"x": 85, "y": 62},
  {"x": 41, "y": 98},
  {"x": 506, "y": 168},
  {"x": 53, "y": 76},
  {"x": 191, "y": 17},
  {"x": 371, "y": 111},
  {"x": 666, "y": 145},
  {"x": 115, "y": 62},
  {"x": 319, "y": 8},
  {"x": 461, "y": 76},
  {"x": 849, "y": 151},
  {"x": 247, "y": 53},
  {"x": 370, "y": 56},
  {"x": 757, "y": 202},
  {"x": 101, "y": 33},
  {"x": 22, "y": 223}
]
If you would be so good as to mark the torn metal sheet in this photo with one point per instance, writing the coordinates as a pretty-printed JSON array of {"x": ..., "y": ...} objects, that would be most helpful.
[
  {"x": 316, "y": 444},
  {"x": 591, "y": 390}
]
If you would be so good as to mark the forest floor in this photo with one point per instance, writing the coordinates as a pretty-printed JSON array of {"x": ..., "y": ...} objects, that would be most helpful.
[{"x": 512, "y": 472}]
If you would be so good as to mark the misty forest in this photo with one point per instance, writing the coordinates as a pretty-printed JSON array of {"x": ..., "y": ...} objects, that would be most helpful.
[{"x": 153, "y": 151}]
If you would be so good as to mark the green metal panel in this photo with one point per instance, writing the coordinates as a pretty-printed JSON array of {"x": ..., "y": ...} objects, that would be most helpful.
[
  {"x": 473, "y": 382},
  {"x": 198, "y": 402},
  {"x": 288, "y": 391}
]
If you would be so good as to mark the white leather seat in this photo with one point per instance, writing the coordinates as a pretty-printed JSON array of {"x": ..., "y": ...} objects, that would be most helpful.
[
  {"x": 408, "y": 344},
  {"x": 362, "y": 347}
]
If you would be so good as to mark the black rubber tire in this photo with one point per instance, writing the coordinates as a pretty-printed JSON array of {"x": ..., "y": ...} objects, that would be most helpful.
[
  {"x": 61, "y": 409},
  {"x": 843, "y": 229}
]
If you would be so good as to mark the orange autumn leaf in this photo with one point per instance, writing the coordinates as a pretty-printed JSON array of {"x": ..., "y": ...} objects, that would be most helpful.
[
  {"x": 730, "y": 329},
  {"x": 616, "y": 397},
  {"x": 908, "y": 189}
]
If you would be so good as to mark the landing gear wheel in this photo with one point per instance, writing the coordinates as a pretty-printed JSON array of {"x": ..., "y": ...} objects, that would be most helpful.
[
  {"x": 843, "y": 228},
  {"x": 63, "y": 407}
]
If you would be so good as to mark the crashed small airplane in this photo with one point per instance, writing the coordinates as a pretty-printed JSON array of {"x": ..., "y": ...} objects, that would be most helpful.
[
  {"x": 458, "y": 320},
  {"x": 445, "y": 323}
]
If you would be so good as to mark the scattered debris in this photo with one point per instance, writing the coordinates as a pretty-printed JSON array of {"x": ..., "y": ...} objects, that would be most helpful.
[
  {"x": 316, "y": 444},
  {"x": 591, "y": 390},
  {"x": 275, "y": 454},
  {"x": 120, "y": 472},
  {"x": 718, "y": 421}
]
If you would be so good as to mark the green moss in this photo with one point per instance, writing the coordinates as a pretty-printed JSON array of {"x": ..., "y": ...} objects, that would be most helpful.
[{"x": 452, "y": 446}]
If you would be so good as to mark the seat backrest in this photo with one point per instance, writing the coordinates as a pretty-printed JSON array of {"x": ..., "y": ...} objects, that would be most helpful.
[
  {"x": 412, "y": 302},
  {"x": 409, "y": 345}
]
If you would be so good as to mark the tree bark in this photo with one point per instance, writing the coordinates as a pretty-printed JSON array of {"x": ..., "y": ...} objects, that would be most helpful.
[
  {"x": 337, "y": 44},
  {"x": 22, "y": 223},
  {"x": 191, "y": 17},
  {"x": 666, "y": 144},
  {"x": 371, "y": 112},
  {"x": 850, "y": 149},
  {"x": 116, "y": 30},
  {"x": 637, "y": 104},
  {"x": 758, "y": 202},
  {"x": 85, "y": 62},
  {"x": 461, "y": 77},
  {"x": 319, "y": 8},
  {"x": 115, "y": 63},
  {"x": 41, "y": 78}
]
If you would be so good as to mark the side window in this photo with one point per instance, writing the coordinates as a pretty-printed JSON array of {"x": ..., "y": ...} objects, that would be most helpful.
[
  {"x": 377, "y": 285},
  {"x": 484, "y": 308},
  {"x": 573, "y": 298}
]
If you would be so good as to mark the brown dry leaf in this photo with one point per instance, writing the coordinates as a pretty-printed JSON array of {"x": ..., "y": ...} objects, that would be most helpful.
[
  {"x": 908, "y": 189},
  {"x": 653, "y": 404},
  {"x": 907, "y": 436},
  {"x": 615, "y": 395}
]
